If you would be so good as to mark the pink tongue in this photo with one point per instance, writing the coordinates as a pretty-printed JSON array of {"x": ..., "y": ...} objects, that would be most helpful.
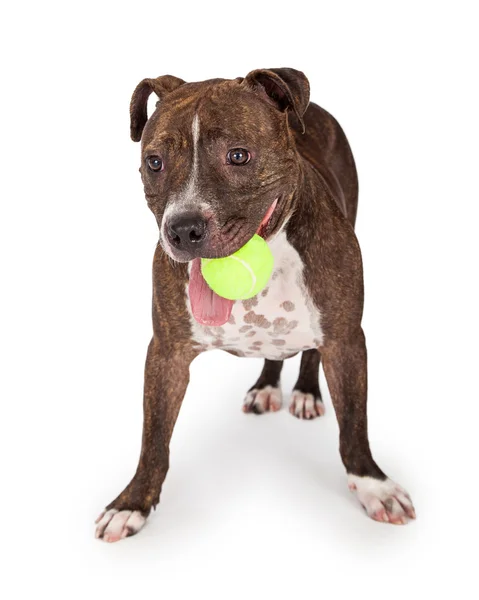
[{"x": 207, "y": 307}]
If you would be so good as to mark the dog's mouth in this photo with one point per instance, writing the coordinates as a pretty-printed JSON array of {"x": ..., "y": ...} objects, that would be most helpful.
[{"x": 207, "y": 307}]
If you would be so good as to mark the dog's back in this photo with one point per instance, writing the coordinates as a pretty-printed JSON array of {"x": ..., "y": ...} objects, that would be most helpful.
[{"x": 325, "y": 146}]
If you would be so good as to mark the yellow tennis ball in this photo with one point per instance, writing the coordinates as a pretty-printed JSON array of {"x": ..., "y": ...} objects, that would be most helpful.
[{"x": 241, "y": 275}]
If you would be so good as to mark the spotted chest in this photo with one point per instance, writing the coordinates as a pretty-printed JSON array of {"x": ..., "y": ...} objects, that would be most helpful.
[{"x": 278, "y": 322}]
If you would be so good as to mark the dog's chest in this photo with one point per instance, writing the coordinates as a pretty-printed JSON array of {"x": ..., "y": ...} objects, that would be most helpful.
[{"x": 280, "y": 321}]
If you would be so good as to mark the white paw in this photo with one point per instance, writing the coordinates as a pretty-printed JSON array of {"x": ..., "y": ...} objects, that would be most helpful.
[
  {"x": 266, "y": 399},
  {"x": 305, "y": 406},
  {"x": 114, "y": 525},
  {"x": 383, "y": 500}
]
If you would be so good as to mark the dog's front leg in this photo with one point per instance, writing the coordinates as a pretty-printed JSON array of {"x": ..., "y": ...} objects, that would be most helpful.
[
  {"x": 345, "y": 367},
  {"x": 166, "y": 379}
]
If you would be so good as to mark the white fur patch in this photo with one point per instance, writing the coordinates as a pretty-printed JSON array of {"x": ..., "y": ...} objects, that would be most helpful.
[
  {"x": 114, "y": 525},
  {"x": 190, "y": 193},
  {"x": 278, "y": 322},
  {"x": 305, "y": 406},
  {"x": 267, "y": 399},
  {"x": 383, "y": 500}
]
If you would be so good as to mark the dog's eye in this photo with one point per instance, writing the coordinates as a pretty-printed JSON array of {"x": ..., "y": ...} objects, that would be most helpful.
[
  {"x": 238, "y": 156},
  {"x": 154, "y": 163}
]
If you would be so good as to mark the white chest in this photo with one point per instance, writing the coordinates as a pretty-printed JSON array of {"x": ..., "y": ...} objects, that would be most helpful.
[{"x": 280, "y": 321}]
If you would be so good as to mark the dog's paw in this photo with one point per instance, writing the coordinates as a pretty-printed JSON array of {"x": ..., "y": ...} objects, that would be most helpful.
[
  {"x": 383, "y": 500},
  {"x": 114, "y": 525},
  {"x": 306, "y": 406},
  {"x": 262, "y": 400}
]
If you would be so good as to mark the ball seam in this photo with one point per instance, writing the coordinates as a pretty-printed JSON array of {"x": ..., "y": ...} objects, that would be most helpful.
[{"x": 253, "y": 276}]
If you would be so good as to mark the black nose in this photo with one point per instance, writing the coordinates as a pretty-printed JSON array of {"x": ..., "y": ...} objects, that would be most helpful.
[{"x": 187, "y": 231}]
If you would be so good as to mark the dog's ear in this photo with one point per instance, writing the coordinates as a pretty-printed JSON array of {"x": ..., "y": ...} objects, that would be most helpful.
[
  {"x": 139, "y": 101},
  {"x": 287, "y": 88}
]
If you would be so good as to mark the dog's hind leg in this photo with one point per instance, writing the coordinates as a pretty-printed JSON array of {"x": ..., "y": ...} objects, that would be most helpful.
[
  {"x": 265, "y": 395},
  {"x": 306, "y": 401}
]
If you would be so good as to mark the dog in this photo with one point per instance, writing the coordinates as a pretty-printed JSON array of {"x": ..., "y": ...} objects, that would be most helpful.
[{"x": 222, "y": 160}]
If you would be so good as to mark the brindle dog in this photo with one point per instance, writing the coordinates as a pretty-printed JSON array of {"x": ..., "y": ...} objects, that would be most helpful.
[{"x": 221, "y": 161}]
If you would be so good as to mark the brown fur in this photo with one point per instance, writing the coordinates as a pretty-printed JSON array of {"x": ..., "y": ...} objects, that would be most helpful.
[{"x": 316, "y": 177}]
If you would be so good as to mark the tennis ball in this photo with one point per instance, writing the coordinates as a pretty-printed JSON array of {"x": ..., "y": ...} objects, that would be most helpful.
[{"x": 241, "y": 275}]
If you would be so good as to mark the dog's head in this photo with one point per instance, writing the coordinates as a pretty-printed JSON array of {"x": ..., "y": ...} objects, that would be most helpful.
[{"x": 219, "y": 161}]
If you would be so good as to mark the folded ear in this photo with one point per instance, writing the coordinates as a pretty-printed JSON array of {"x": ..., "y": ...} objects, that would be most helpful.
[
  {"x": 287, "y": 88},
  {"x": 138, "y": 105}
]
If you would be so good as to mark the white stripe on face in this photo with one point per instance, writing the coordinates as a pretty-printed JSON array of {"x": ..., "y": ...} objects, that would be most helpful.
[
  {"x": 188, "y": 198},
  {"x": 191, "y": 187},
  {"x": 195, "y": 130}
]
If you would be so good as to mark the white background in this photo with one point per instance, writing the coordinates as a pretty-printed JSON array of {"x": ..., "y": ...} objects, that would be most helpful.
[{"x": 253, "y": 507}]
